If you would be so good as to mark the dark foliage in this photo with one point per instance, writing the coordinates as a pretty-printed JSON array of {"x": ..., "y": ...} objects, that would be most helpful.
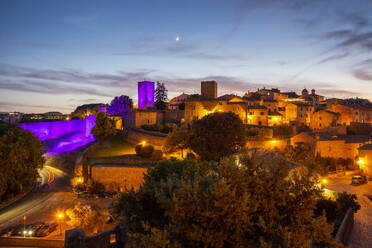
[
  {"x": 328, "y": 206},
  {"x": 20, "y": 158},
  {"x": 96, "y": 188},
  {"x": 157, "y": 155},
  {"x": 191, "y": 204},
  {"x": 345, "y": 201},
  {"x": 104, "y": 127},
  {"x": 161, "y": 96},
  {"x": 217, "y": 135},
  {"x": 144, "y": 151},
  {"x": 168, "y": 127}
]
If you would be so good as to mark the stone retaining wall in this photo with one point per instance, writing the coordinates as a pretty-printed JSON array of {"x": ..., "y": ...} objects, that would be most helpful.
[
  {"x": 136, "y": 136},
  {"x": 118, "y": 178},
  {"x": 30, "y": 242},
  {"x": 344, "y": 232},
  {"x": 115, "y": 237}
]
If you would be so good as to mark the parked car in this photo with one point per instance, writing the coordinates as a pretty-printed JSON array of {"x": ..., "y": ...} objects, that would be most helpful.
[
  {"x": 358, "y": 180},
  {"x": 46, "y": 229}
]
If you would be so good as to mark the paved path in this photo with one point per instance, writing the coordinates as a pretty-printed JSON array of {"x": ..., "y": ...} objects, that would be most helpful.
[{"x": 361, "y": 236}]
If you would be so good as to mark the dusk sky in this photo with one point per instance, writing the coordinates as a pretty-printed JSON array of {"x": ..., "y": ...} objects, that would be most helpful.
[{"x": 56, "y": 55}]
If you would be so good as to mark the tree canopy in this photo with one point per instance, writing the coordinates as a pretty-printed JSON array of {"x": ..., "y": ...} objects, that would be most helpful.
[
  {"x": 177, "y": 140},
  {"x": 161, "y": 96},
  {"x": 204, "y": 204},
  {"x": 104, "y": 126},
  {"x": 120, "y": 106},
  {"x": 20, "y": 158},
  {"x": 217, "y": 135}
]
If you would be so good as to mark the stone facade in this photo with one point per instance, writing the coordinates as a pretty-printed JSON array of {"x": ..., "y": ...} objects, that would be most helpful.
[
  {"x": 137, "y": 117},
  {"x": 209, "y": 89},
  {"x": 365, "y": 159},
  {"x": 323, "y": 119}
]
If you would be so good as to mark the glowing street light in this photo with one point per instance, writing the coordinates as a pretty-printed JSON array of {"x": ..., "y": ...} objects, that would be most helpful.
[
  {"x": 60, "y": 216},
  {"x": 274, "y": 141},
  {"x": 24, "y": 226},
  {"x": 275, "y": 118},
  {"x": 143, "y": 143},
  {"x": 361, "y": 161},
  {"x": 324, "y": 181}
]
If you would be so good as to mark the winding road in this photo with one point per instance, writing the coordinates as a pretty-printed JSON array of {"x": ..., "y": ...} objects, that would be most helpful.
[{"x": 35, "y": 201}]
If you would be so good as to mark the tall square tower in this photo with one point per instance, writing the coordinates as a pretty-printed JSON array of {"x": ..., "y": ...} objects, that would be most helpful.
[
  {"x": 146, "y": 94},
  {"x": 209, "y": 89}
]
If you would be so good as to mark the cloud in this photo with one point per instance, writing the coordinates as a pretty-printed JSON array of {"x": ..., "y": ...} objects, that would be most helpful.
[
  {"x": 17, "y": 104},
  {"x": 332, "y": 58},
  {"x": 48, "y": 88},
  {"x": 69, "y": 81},
  {"x": 355, "y": 37},
  {"x": 362, "y": 75}
]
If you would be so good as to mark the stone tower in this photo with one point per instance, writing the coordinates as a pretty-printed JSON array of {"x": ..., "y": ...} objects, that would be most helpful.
[
  {"x": 146, "y": 94},
  {"x": 209, "y": 89}
]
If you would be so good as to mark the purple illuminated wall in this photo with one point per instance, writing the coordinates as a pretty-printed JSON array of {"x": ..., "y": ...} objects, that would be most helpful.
[
  {"x": 63, "y": 136},
  {"x": 145, "y": 94}
]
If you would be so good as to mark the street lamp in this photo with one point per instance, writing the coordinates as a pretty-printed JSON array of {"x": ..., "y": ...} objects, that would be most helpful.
[
  {"x": 24, "y": 226},
  {"x": 360, "y": 161},
  {"x": 60, "y": 217}
]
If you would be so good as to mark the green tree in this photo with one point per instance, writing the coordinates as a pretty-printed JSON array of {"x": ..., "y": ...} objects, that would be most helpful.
[
  {"x": 161, "y": 96},
  {"x": 104, "y": 127},
  {"x": 88, "y": 217},
  {"x": 177, "y": 140},
  {"x": 300, "y": 153},
  {"x": 190, "y": 204},
  {"x": 21, "y": 157},
  {"x": 217, "y": 135}
]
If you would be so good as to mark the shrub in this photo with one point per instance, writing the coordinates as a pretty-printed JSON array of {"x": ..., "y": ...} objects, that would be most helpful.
[
  {"x": 190, "y": 156},
  {"x": 88, "y": 217},
  {"x": 345, "y": 201},
  {"x": 96, "y": 188},
  {"x": 329, "y": 206},
  {"x": 138, "y": 148},
  {"x": 169, "y": 127},
  {"x": 144, "y": 151},
  {"x": 157, "y": 155}
]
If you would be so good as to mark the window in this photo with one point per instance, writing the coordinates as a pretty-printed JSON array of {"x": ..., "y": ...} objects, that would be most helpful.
[{"x": 193, "y": 107}]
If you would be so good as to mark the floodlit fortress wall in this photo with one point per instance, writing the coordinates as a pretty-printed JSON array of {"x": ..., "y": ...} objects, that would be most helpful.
[{"x": 56, "y": 129}]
